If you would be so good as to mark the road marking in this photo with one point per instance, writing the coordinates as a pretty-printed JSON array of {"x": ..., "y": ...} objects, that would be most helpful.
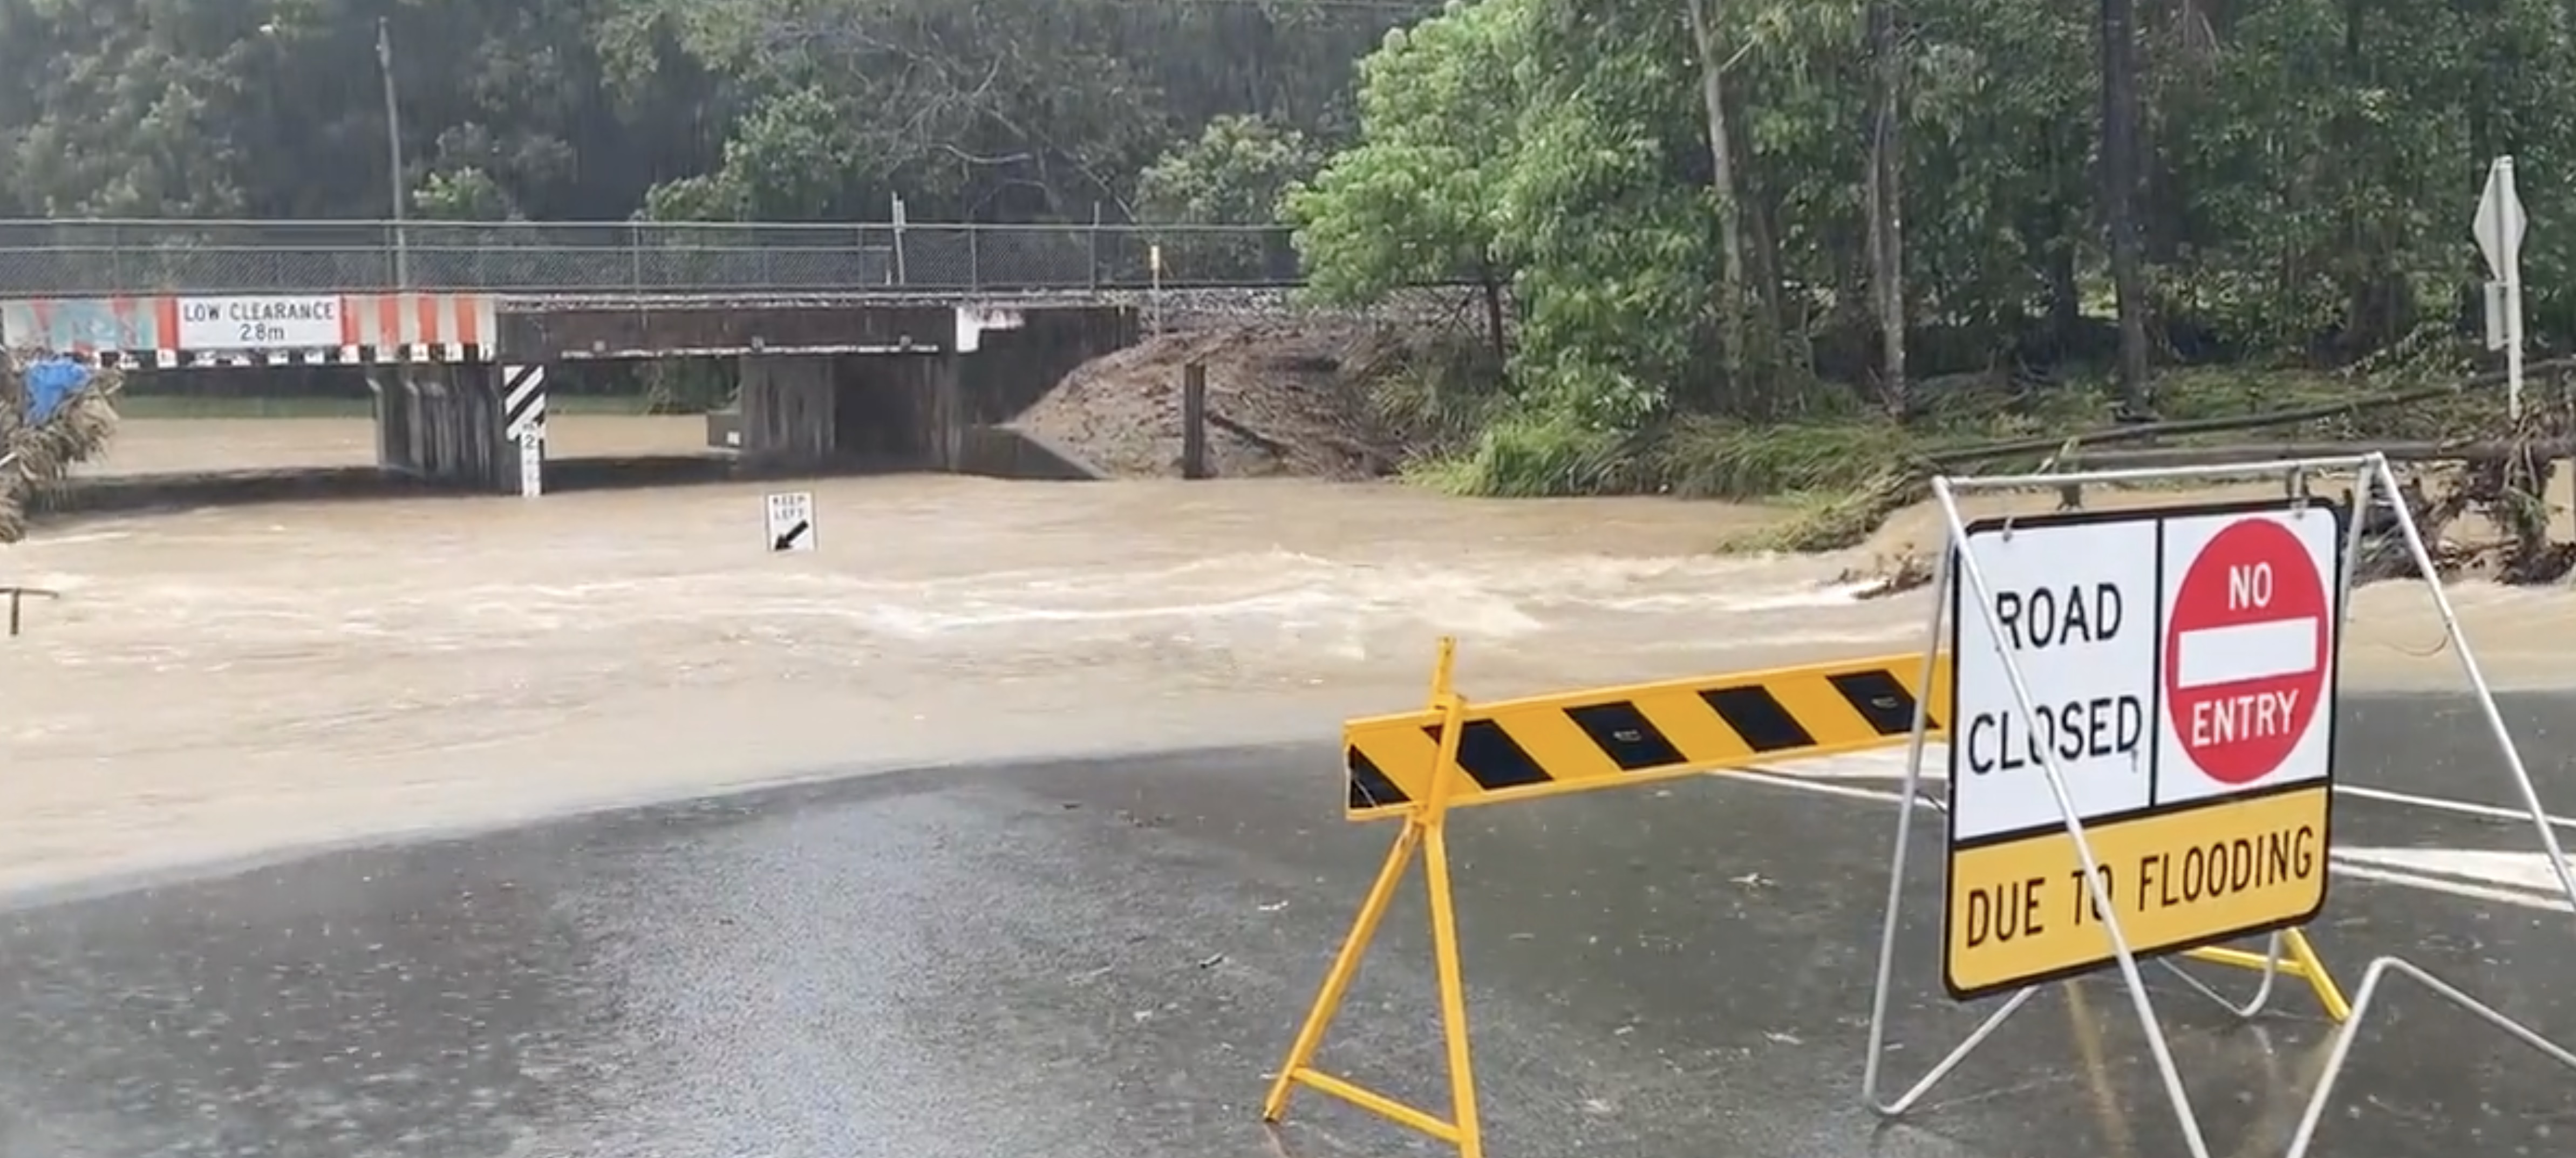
[
  {"x": 2551, "y": 903},
  {"x": 2461, "y": 807},
  {"x": 2521, "y": 870},
  {"x": 1891, "y": 766},
  {"x": 1866, "y": 766},
  {"x": 2354, "y": 863}
]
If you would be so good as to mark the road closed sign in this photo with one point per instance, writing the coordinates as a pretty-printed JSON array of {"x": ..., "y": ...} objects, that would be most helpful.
[{"x": 2180, "y": 664}]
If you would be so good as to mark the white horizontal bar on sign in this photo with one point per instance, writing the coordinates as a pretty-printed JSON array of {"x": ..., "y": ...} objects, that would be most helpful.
[
  {"x": 1997, "y": 482},
  {"x": 2246, "y": 651}
]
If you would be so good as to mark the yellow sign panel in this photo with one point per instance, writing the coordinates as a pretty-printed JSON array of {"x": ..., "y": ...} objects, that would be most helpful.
[
  {"x": 1600, "y": 737},
  {"x": 2019, "y": 911}
]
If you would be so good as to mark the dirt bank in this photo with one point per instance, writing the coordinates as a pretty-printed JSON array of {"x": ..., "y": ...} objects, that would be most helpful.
[{"x": 1284, "y": 399}]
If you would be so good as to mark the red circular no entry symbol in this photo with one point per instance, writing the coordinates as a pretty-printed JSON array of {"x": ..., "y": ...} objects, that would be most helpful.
[{"x": 2246, "y": 651}]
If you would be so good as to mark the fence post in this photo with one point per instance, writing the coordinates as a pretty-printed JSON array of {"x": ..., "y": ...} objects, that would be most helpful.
[
  {"x": 1095, "y": 247},
  {"x": 901, "y": 275},
  {"x": 1194, "y": 421},
  {"x": 974, "y": 256}
]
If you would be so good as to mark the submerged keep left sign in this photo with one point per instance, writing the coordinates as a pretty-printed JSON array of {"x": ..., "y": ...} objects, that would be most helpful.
[{"x": 2180, "y": 665}]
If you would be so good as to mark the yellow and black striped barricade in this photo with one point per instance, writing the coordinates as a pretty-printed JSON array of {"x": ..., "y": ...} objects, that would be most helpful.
[
  {"x": 1603, "y": 737},
  {"x": 1418, "y": 765}
]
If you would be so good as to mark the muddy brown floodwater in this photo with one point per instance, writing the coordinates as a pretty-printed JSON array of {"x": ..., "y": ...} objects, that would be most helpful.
[
  {"x": 222, "y": 682},
  {"x": 165, "y": 445}
]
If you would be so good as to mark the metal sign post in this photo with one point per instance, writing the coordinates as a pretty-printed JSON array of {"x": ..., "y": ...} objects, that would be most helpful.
[
  {"x": 18, "y": 595},
  {"x": 2499, "y": 226}
]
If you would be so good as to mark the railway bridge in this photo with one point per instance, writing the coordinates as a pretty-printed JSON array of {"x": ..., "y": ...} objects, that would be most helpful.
[{"x": 898, "y": 344}]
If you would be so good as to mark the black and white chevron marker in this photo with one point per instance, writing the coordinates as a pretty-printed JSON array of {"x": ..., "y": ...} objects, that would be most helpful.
[{"x": 523, "y": 400}]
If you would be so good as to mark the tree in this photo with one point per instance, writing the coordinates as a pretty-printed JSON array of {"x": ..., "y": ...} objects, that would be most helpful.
[
  {"x": 1419, "y": 197},
  {"x": 1886, "y": 202},
  {"x": 1739, "y": 210},
  {"x": 1002, "y": 110},
  {"x": 1235, "y": 173},
  {"x": 2121, "y": 127}
]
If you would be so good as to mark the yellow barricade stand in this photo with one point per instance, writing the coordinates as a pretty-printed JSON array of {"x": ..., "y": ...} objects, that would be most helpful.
[
  {"x": 1423, "y": 831},
  {"x": 1417, "y": 766}
]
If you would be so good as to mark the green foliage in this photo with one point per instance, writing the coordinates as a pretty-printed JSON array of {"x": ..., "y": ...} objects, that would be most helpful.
[
  {"x": 1824, "y": 462},
  {"x": 1419, "y": 197},
  {"x": 467, "y": 194},
  {"x": 2310, "y": 170},
  {"x": 994, "y": 110},
  {"x": 1531, "y": 456},
  {"x": 1440, "y": 403},
  {"x": 1234, "y": 173},
  {"x": 1708, "y": 458}
]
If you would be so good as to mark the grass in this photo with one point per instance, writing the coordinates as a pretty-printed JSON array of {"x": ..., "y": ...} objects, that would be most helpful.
[
  {"x": 167, "y": 406},
  {"x": 1843, "y": 473}
]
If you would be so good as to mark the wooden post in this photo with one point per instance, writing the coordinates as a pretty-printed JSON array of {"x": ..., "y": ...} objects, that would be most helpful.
[
  {"x": 16, "y": 596},
  {"x": 1194, "y": 420}
]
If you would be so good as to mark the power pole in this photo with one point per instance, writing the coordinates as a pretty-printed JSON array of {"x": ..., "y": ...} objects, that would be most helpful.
[{"x": 394, "y": 153}]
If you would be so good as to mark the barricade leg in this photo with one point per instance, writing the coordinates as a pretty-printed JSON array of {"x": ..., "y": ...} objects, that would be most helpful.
[
  {"x": 1424, "y": 830},
  {"x": 1453, "y": 990},
  {"x": 1346, "y": 965},
  {"x": 2289, "y": 954}
]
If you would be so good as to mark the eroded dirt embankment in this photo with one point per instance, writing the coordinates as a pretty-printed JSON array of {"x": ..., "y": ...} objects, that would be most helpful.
[{"x": 1284, "y": 399}]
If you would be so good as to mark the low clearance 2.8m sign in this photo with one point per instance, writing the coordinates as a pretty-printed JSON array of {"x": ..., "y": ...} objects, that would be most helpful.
[{"x": 2181, "y": 668}]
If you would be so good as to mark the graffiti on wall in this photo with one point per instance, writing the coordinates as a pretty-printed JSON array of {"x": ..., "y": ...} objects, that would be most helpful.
[{"x": 81, "y": 325}]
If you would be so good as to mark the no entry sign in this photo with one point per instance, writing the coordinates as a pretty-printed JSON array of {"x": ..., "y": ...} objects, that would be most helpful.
[
  {"x": 2181, "y": 668},
  {"x": 2246, "y": 651},
  {"x": 2247, "y": 665}
]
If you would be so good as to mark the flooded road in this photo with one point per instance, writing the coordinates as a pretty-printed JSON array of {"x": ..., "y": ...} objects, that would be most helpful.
[
  {"x": 217, "y": 683},
  {"x": 1107, "y": 959},
  {"x": 1018, "y": 947}
]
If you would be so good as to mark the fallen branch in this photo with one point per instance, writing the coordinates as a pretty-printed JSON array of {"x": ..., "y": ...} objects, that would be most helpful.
[
  {"x": 2234, "y": 453},
  {"x": 2150, "y": 431}
]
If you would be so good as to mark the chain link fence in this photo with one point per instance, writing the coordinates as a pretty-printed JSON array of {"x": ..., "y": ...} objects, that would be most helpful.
[{"x": 109, "y": 258}]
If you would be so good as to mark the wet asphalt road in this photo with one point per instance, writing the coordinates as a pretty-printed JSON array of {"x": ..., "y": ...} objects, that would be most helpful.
[{"x": 1108, "y": 958}]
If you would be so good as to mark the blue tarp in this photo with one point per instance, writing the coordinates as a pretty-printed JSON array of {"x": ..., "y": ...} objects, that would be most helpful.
[{"x": 51, "y": 381}]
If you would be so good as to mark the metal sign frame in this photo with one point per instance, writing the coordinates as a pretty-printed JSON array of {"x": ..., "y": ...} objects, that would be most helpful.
[{"x": 1959, "y": 566}]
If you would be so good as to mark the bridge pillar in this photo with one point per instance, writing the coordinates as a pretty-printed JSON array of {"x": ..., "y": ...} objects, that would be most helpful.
[
  {"x": 787, "y": 409},
  {"x": 442, "y": 424},
  {"x": 950, "y": 414},
  {"x": 393, "y": 421}
]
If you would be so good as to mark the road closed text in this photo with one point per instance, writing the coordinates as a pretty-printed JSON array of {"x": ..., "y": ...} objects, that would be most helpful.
[
  {"x": 2020, "y": 910},
  {"x": 2033, "y": 623}
]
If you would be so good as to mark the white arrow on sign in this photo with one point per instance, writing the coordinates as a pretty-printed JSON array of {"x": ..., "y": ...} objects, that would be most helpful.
[{"x": 2499, "y": 226}]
